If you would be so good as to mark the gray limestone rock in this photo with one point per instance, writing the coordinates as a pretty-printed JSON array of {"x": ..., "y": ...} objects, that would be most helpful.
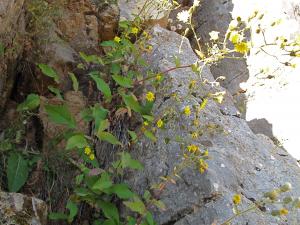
[{"x": 241, "y": 162}]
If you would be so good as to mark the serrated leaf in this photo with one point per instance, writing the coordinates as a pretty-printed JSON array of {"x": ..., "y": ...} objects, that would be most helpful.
[
  {"x": 110, "y": 211},
  {"x": 48, "y": 71},
  {"x": 106, "y": 136},
  {"x": 17, "y": 172},
  {"x": 108, "y": 44},
  {"x": 99, "y": 114},
  {"x": 122, "y": 191},
  {"x": 149, "y": 218},
  {"x": 132, "y": 103},
  {"x": 136, "y": 206},
  {"x": 73, "y": 210},
  {"x": 128, "y": 162},
  {"x": 60, "y": 114},
  {"x": 91, "y": 58},
  {"x": 75, "y": 83},
  {"x": 133, "y": 135},
  {"x": 102, "y": 183},
  {"x": 31, "y": 102},
  {"x": 56, "y": 92},
  {"x": 123, "y": 81},
  {"x": 76, "y": 141},
  {"x": 102, "y": 86},
  {"x": 150, "y": 135}
]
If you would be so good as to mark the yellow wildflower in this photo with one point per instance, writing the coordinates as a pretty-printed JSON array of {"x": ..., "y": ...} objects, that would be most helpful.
[
  {"x": 202, "y": 166},
  {"x": 146, "y": 123},
  {"x": 205, "y": 153},
  {"x": 236, "y": 199},
  {"x": 158, "y": 77},
  {"x": 196, "y": 122},
  {"x": 87, "y": 150},
  {"x": 134, "y": 30},
  {"x": 150, "y": 48},
  {"x": 193, "y": 83},
  {"x": 194, "y": 135},
  {"x": 187, "y": 110},
  {"x": 150, "y": 96},
  {"x": 193, "y": 148},
  {"x": 242, "y": 47},
  {"x": 117, "y": 39},
  {"x": 283, "y": 211},
  {"x": 159, "y": 123},
  {"x": 92, "y": 156}
]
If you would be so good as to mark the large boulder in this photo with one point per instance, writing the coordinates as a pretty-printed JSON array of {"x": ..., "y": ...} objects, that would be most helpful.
[
  {"x": 19, "y": 209},
  {"x": 241, "y": 162}
]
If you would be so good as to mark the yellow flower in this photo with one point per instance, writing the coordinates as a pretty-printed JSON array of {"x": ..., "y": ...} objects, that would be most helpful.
[
  {"x": 134, "y": 30},
  {"x": 92, "y": 156},
  {"x": 242, "y": 47},
  {"x": 202, "y": 166},
  {"x": 205, "y": 153},
  {"x": 236, "y": 199},
  {"x": 193, "y": 148},
  {"x": 187, "y": 110},
  {"x": 117, "y": 39},
  {"x": 146, "y": 123},
  {"x": 159, "y": 123},
  {"x": 194, "y": 135},
  {"x": 150, "y": 96},
  {"x": 87, "y": 150},
  {"x": 150, "y": 48},
  {"x": 158, "y": 77},
  {"x": 196, "y": 122},
  {"x": 283, "y": 211},
  {"x": 193, "y": 83}
]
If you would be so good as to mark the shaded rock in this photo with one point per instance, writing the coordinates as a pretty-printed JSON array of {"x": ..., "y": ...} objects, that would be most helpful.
[
  {"x": 12, "y": 28},
  {"x": 19, "y": 209},
  {"x": 241, "y": 162}
]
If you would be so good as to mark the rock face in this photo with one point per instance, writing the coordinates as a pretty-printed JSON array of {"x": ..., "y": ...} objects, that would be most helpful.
[
  {"x": 241, "y": 162},
  {"x": 11, "y": 39},
  {"x": 18, "y": 209}
]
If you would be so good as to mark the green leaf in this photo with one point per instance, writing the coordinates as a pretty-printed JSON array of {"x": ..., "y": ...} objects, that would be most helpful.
[
  {"x": 56, "y": 92},
  {"x": 76, "y": 141},
  {"x": 110, "y": 211},
  {"x": 73, "y": 210},
  {"x": 74, "y": 81},
  {"x": 109, "y": 222},
  {"x": 108, "y": 44},
  {"x": 91, "y": 58},
  {"x": 150, "y": 135},
  {"x": 31, "y": 102},
  {"x": 177, "y": 61},
  {"x": 2, "y": 49},
  {"x": 82, "y": 192},
  {"x": 104, "y": 124},
  {"x": 48, "y": 71},
  {"x": 106, "y": 136},
  {"x": 123, "y": 81},
  {"x": 17, "y": 172},
  {"x": 149, "y": 118},
  {"x": 159, "y": 204},
  {"x": 58, "y": 216},
  {"x": 99, "y": 114},
  {"x": 102, "y": 183},
  {"x": 136, "y": 206},
  {"x": 133, "y": 135},
  {"x": 149, "y": 218},
  {"x": 60, "y": 114},
  {"x": 128, "y": 162},
  {"x": 131, "y": 102},
  {"x": 115, "y": 68},
  {"x": 102, "y": 86},
  {"x": 122, "y": 191}
]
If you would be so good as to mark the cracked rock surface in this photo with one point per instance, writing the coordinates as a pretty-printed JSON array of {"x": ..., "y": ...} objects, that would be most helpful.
[{"x": 241, "y": 161}]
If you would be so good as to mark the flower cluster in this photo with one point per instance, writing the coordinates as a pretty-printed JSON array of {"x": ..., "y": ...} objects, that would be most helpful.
[{"x": 88, "y": 152}]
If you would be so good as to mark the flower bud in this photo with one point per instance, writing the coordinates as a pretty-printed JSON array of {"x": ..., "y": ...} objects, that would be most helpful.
[{"x": 286, "y": 187}]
